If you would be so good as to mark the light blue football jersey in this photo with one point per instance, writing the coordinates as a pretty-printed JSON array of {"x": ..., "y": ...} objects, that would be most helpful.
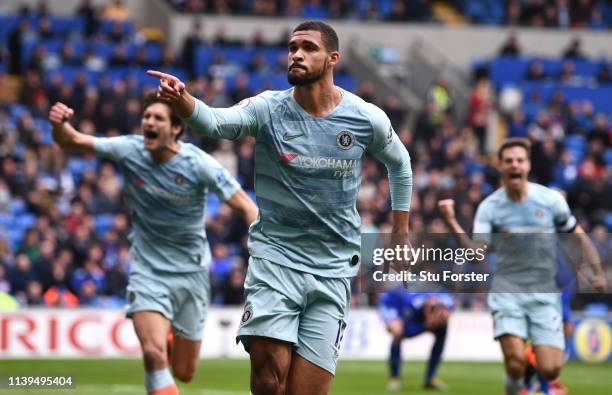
[
  {"x": 308, "y": 174},
  {"x": 523, "y": 237},
  {"x": 167, "y": 202}
]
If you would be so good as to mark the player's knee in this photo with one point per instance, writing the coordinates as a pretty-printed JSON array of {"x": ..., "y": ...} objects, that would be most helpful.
[
  {"x": 515, "y": 365},
  {"x": 267, "y": 384},
  {"x": 183, "y": 373},
  {"x": 550, "y": 372},
  {"x": 153, "y": 354}
]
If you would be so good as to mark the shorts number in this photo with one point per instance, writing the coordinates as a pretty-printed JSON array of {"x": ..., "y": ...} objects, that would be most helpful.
[{"x": 340, "y": 334}]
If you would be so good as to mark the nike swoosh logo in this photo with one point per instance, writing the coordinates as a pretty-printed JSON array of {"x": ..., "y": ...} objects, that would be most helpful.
[{"x": 288, "y": 136}]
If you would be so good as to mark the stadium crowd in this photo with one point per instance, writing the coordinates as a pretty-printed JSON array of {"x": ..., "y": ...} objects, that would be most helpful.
[
  {"x": 64, "y": 228},
  {"x": 389, "y": 10}
]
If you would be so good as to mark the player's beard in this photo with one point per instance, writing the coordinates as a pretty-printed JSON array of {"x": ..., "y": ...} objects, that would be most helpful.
[{"x": 308, "y": 77}]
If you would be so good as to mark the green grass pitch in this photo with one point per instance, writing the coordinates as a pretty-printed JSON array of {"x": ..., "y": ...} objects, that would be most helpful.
[{"x": 231, "y": 377}]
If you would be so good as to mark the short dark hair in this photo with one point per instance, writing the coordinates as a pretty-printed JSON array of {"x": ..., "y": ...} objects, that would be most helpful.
[
  {"x": 514, "y": 142},
  {"x": 328, "y": 34},
  {"x": 175, "y": 120}
]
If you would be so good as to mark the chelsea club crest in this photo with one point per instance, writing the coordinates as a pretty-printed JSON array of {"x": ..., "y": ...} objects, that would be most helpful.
[{"x": 345, "y": 139}]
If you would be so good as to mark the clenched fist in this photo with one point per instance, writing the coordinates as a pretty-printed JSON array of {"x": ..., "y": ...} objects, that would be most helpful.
[
  {"x": 447, "y": 209},
  {"x": 60, "y": 113}
]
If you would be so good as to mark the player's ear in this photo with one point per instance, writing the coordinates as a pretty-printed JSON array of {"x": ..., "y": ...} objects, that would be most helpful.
[
  {"x": 334, "y": 58},
  {"x": 177, "y": 131}
]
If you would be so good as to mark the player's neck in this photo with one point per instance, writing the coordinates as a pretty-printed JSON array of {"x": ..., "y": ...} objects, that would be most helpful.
[
  {"x": 166, "y": 153},
  {"x": 318, "y": 99},
  {"x": 518, "y": 195}
]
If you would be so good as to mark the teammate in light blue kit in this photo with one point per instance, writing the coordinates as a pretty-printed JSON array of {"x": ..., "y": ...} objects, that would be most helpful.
[
  {"x": 166, "y": 183},
  {"x": 524, "y": 299},
  {"x": 305, "y": 245},
  {"x": 408, "y": 315}
]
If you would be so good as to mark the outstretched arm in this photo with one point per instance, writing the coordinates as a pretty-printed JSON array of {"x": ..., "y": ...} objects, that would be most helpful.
[
  {"x": 228, "y": 123},
  {"x": 447, "y": 210},
  {"x": 241, "y": 203},
  {"x": 64, "y": 134}
]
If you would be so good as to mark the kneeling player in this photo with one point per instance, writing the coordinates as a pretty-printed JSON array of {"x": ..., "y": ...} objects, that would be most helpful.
[{"x": 410, "y": 314}]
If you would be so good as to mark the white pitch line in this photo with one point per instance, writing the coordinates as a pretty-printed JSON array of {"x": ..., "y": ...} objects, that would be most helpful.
[{"x": 137, "y": 389}]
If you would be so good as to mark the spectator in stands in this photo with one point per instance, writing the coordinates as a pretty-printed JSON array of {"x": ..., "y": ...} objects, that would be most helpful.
[
  {"x": 33, "y": 294},
  {"x": 604, "y": 77},
  {"x": 601, "y": 132},
  {"x": 116, "y": 11},
  {"x": 550, "y": 16},
  {"x": 480, "y": 105},
  {"x": 581, "y": 12},
  {"x": 15, "y": 47},
  {"x": 567, "y": 73},
  {"x": 45, "y": 31},
  {"x": 21, "y": 274},
  {"x": 392, "y": 107},
  {"x": 398, "y": 11},
  {"x": 233, "y": 287},
  {"x": 88, "y": 12},
  {"x": 5, "y": 199},
  {"x": 574, "y": 50},
  {"x": 192, "y": 41},
  {"x": 88, "y": 294},
  {"x": 535, "y": 72},
  {"x": 563, "y": 13},
  {"x": 241, "y": 88},
  {"x": 545, "y": 156},
  {"x": 440, "y": 100},
  {"x": 532, "y": 13},
  {"x": 5, "y": 281},
  {"x": 119, "y": 58},
  {"x": 511, "y": 47}
]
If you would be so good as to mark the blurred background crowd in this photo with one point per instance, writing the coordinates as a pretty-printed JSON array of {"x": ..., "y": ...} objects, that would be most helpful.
[{"x": 63, "y": 221}]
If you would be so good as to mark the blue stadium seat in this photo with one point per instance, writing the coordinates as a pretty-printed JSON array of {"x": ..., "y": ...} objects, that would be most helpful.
[
  {"x": 107, "y": 25},
  {"x": 212, "y": 205},
  {"x": 18, "y": 206},
  {"x": 103, "y": 222},
  {"x": 608, "y": 220},
  {"x": 608, "y": 157},
  {"x": 575, "y": 141},
  {"x": 8, "y": 23},
  {"x": 6, "y": 220},
  {"x": 14, "y": 237},
  {"x": 203, "y": 59},
  {"x": 66, "y": 25},
  {"x": 25, "y": 221}
]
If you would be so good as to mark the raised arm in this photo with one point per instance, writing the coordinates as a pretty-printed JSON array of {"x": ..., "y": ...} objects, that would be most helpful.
[
  {"x": 228, "y": 123},
  {"x": 447, "y": 210},
  {"x": 64, "y": 134}
]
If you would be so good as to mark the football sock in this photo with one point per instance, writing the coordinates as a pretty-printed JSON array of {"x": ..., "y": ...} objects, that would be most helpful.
[
  {"x": 160, "y": 382},
  {"x": 436, "y": 354},
  {"x": 513, "y": 386},
  {"x": 395, "y": 359}
]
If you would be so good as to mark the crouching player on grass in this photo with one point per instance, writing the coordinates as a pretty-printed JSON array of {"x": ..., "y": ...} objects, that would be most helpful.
[
  {"x": 166, "y": 183},
  {"x": 408, "y": 315}
]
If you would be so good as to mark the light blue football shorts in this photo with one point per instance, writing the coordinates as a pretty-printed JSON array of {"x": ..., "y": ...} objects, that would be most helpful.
[
  {"x": 300, "y": 308},
  {"x": 534, "y": 316},
  {"x": 183, "y": 298}
]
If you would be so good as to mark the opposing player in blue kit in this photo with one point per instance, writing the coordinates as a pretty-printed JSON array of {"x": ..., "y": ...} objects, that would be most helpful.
[
  {"x": 408, "y": 315},
  {"x": 166, "y": 183},
  {"x": 520, "y": 220},
  {"x": 310, "y": 141}
]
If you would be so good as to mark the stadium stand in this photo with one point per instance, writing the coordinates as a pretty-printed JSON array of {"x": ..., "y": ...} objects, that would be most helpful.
[{"x": 63, "y": 224}]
